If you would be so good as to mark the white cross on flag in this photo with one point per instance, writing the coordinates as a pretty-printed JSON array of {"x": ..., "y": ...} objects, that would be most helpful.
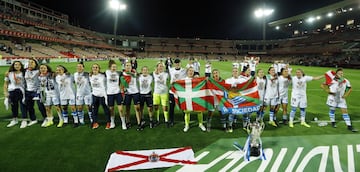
[{"x": 148, "y": 159}]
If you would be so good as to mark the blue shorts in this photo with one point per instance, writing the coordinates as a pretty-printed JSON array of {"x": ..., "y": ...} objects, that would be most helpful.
[
  {"x": 146, "y": 98},
  {"x": 135, "y": 97},
  {"x": 115, "y": 97}
]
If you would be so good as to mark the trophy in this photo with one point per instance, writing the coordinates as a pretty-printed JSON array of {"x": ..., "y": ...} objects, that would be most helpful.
[{"x": 253, "y": 144}]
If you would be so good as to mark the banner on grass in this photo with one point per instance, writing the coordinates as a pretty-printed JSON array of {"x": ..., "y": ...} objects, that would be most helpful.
[
  {"x": 201, "y": 94},
  {"x": 149, "y": 159}
]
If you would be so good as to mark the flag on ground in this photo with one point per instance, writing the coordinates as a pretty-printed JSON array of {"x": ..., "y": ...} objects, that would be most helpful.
[{"x": 149, "y": 159}]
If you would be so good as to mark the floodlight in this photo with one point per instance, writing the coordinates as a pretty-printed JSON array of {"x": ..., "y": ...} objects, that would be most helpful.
[
  {"x": 318, "y": 17},
  {"x": 310, "y": 19},
  {"x": 116, "y": 5},
  {"x": 263, "y": 12},
  {"x": 330, "y": 14},
  {"x": 277, "y": 27},
  {"x": 350, "y": 9}
]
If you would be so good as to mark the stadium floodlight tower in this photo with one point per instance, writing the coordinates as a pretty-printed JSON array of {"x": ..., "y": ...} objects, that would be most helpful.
[
  {"x": 116, "y": 6},
  {"x": 263, "y": 13}
]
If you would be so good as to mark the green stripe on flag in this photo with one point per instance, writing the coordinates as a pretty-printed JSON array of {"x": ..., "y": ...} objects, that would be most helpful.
[
  {"x": 178, "y": 87},
  {"x": 199, "y": 86},
  {"x": 203, "y": 103},
  {"x": 247, "y": 84},
  {"x": 251, "y": 99}
]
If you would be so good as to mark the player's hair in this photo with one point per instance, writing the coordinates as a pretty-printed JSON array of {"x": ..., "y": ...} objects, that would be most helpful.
[
  {"x": 303, "y": 73},
  {"x": 282, "y": 70},
  {"x": 64, "y": 68},
  {"x": 111, "y": 62},
  {"x": 270, "y": 69},
  {"x": 187, "y": 70},
  {"x": 36, "y": 62},
  {"x": 339, "y": 69},
  {"x": 91, "y": 72},
  {"x": 215, "y": 70},
  {"x": 49, "y": 70},
  {"x": 12, "y": 68},
  {"x": 82, "y": 64}
]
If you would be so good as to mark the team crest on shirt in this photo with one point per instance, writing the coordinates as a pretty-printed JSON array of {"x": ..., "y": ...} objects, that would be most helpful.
[
  {"x": 113, "y": 78},
  {"x": 144, "y": 84}
]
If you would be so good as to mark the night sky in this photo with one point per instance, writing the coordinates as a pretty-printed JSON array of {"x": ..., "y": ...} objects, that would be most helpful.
[{"x": 226, "y": 19}]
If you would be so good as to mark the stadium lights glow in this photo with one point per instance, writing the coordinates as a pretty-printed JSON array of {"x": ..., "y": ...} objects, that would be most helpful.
[
  {"x": 330, "y": 14},
  {"x": 277, "y": 27},
  {"x": 318, "y": 17},
  {"x": 310, "y": 19},
  {"x": 263, "y": 12},
  {"x": 350, "y": 9},
  {"x": 117, "y": 5}
]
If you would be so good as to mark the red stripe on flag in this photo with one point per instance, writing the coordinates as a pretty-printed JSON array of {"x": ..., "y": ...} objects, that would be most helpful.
[
  {"x": 131, "y": 154},
  {"x": 176, "y": 151},
  {"x": 177, "y": 161},
  {"x": 128, "y": 165}
]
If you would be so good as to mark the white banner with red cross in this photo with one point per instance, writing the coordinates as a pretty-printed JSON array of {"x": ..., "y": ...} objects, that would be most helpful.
[{"x": 148, "y": 159}]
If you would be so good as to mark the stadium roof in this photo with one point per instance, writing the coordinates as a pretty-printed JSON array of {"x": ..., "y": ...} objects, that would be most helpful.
[{"x": 340, "y": 6}]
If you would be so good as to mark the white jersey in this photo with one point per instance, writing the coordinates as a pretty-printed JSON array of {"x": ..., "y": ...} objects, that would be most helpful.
[
  {"x": 299, "y": 86},
  {"x": 252, "y": 65},
  {"x": 338, "y": 90},
  {"x": 242, "y": 65},
  {"x": 276, "y": 67},
  {"x": 196, "y": 66},
  {"x": 284, "y": 86},
  {"x": 272, "y": 87},
  {"x": 66, "y": 86},
  {"x": 16, "y": 81},
  {"x": 112, "y": 82},
  {"x": 177, "y": 74},
  {"x": 207, "y": 68},
  {"x": 98, "y": 85},
  {"x": 160, "y": 83},
  {"x": 261, "y": 87},
  {"x": 82, "y": 83},
  {"x": 48, "y": 85},
  {"x": 190, "y": 65},
  {"x": 133, "y": 86},
  {"x": 234, "y": 81},
  {"x": 32, "y": 80},
  {"x": 280, "y": 66},
  {"x": 145, "y": 84},
  {"x": 235, "y": 65}
]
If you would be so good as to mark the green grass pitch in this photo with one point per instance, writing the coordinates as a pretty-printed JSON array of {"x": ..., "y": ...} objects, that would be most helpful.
[{"x": 83, "y": 149}]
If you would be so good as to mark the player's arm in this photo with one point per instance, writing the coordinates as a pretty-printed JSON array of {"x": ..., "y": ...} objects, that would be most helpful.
[
  {"x": 318, "y": 77},
  {"x": 347, "y": 92},
  {"x": 6, "y": 83},
  {"x": 325, "y": 87}
]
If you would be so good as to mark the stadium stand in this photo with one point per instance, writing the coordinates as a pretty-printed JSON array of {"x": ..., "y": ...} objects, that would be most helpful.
[{"x": 25, "y": 25}]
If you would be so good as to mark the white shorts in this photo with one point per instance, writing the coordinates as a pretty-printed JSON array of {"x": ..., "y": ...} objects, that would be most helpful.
[
  {"x": 284, "y": 100},
  {"x": 336, "y": 102},
  {"x": 299, "y": 101},
  {"x": 271, "y": 101},
  {"x": 52, "y": 101},
  {"x": 64, "y": 102},
  {"x": 81, "y": 100}
]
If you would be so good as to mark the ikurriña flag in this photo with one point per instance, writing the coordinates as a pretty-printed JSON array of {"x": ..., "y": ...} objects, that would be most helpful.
[
  {"x": 193, "y": 94},
  {"x": 202, "y": 94}
]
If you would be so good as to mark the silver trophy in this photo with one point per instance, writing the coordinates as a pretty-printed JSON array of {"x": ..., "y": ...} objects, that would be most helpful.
[{"x": 253, "y": 144}]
